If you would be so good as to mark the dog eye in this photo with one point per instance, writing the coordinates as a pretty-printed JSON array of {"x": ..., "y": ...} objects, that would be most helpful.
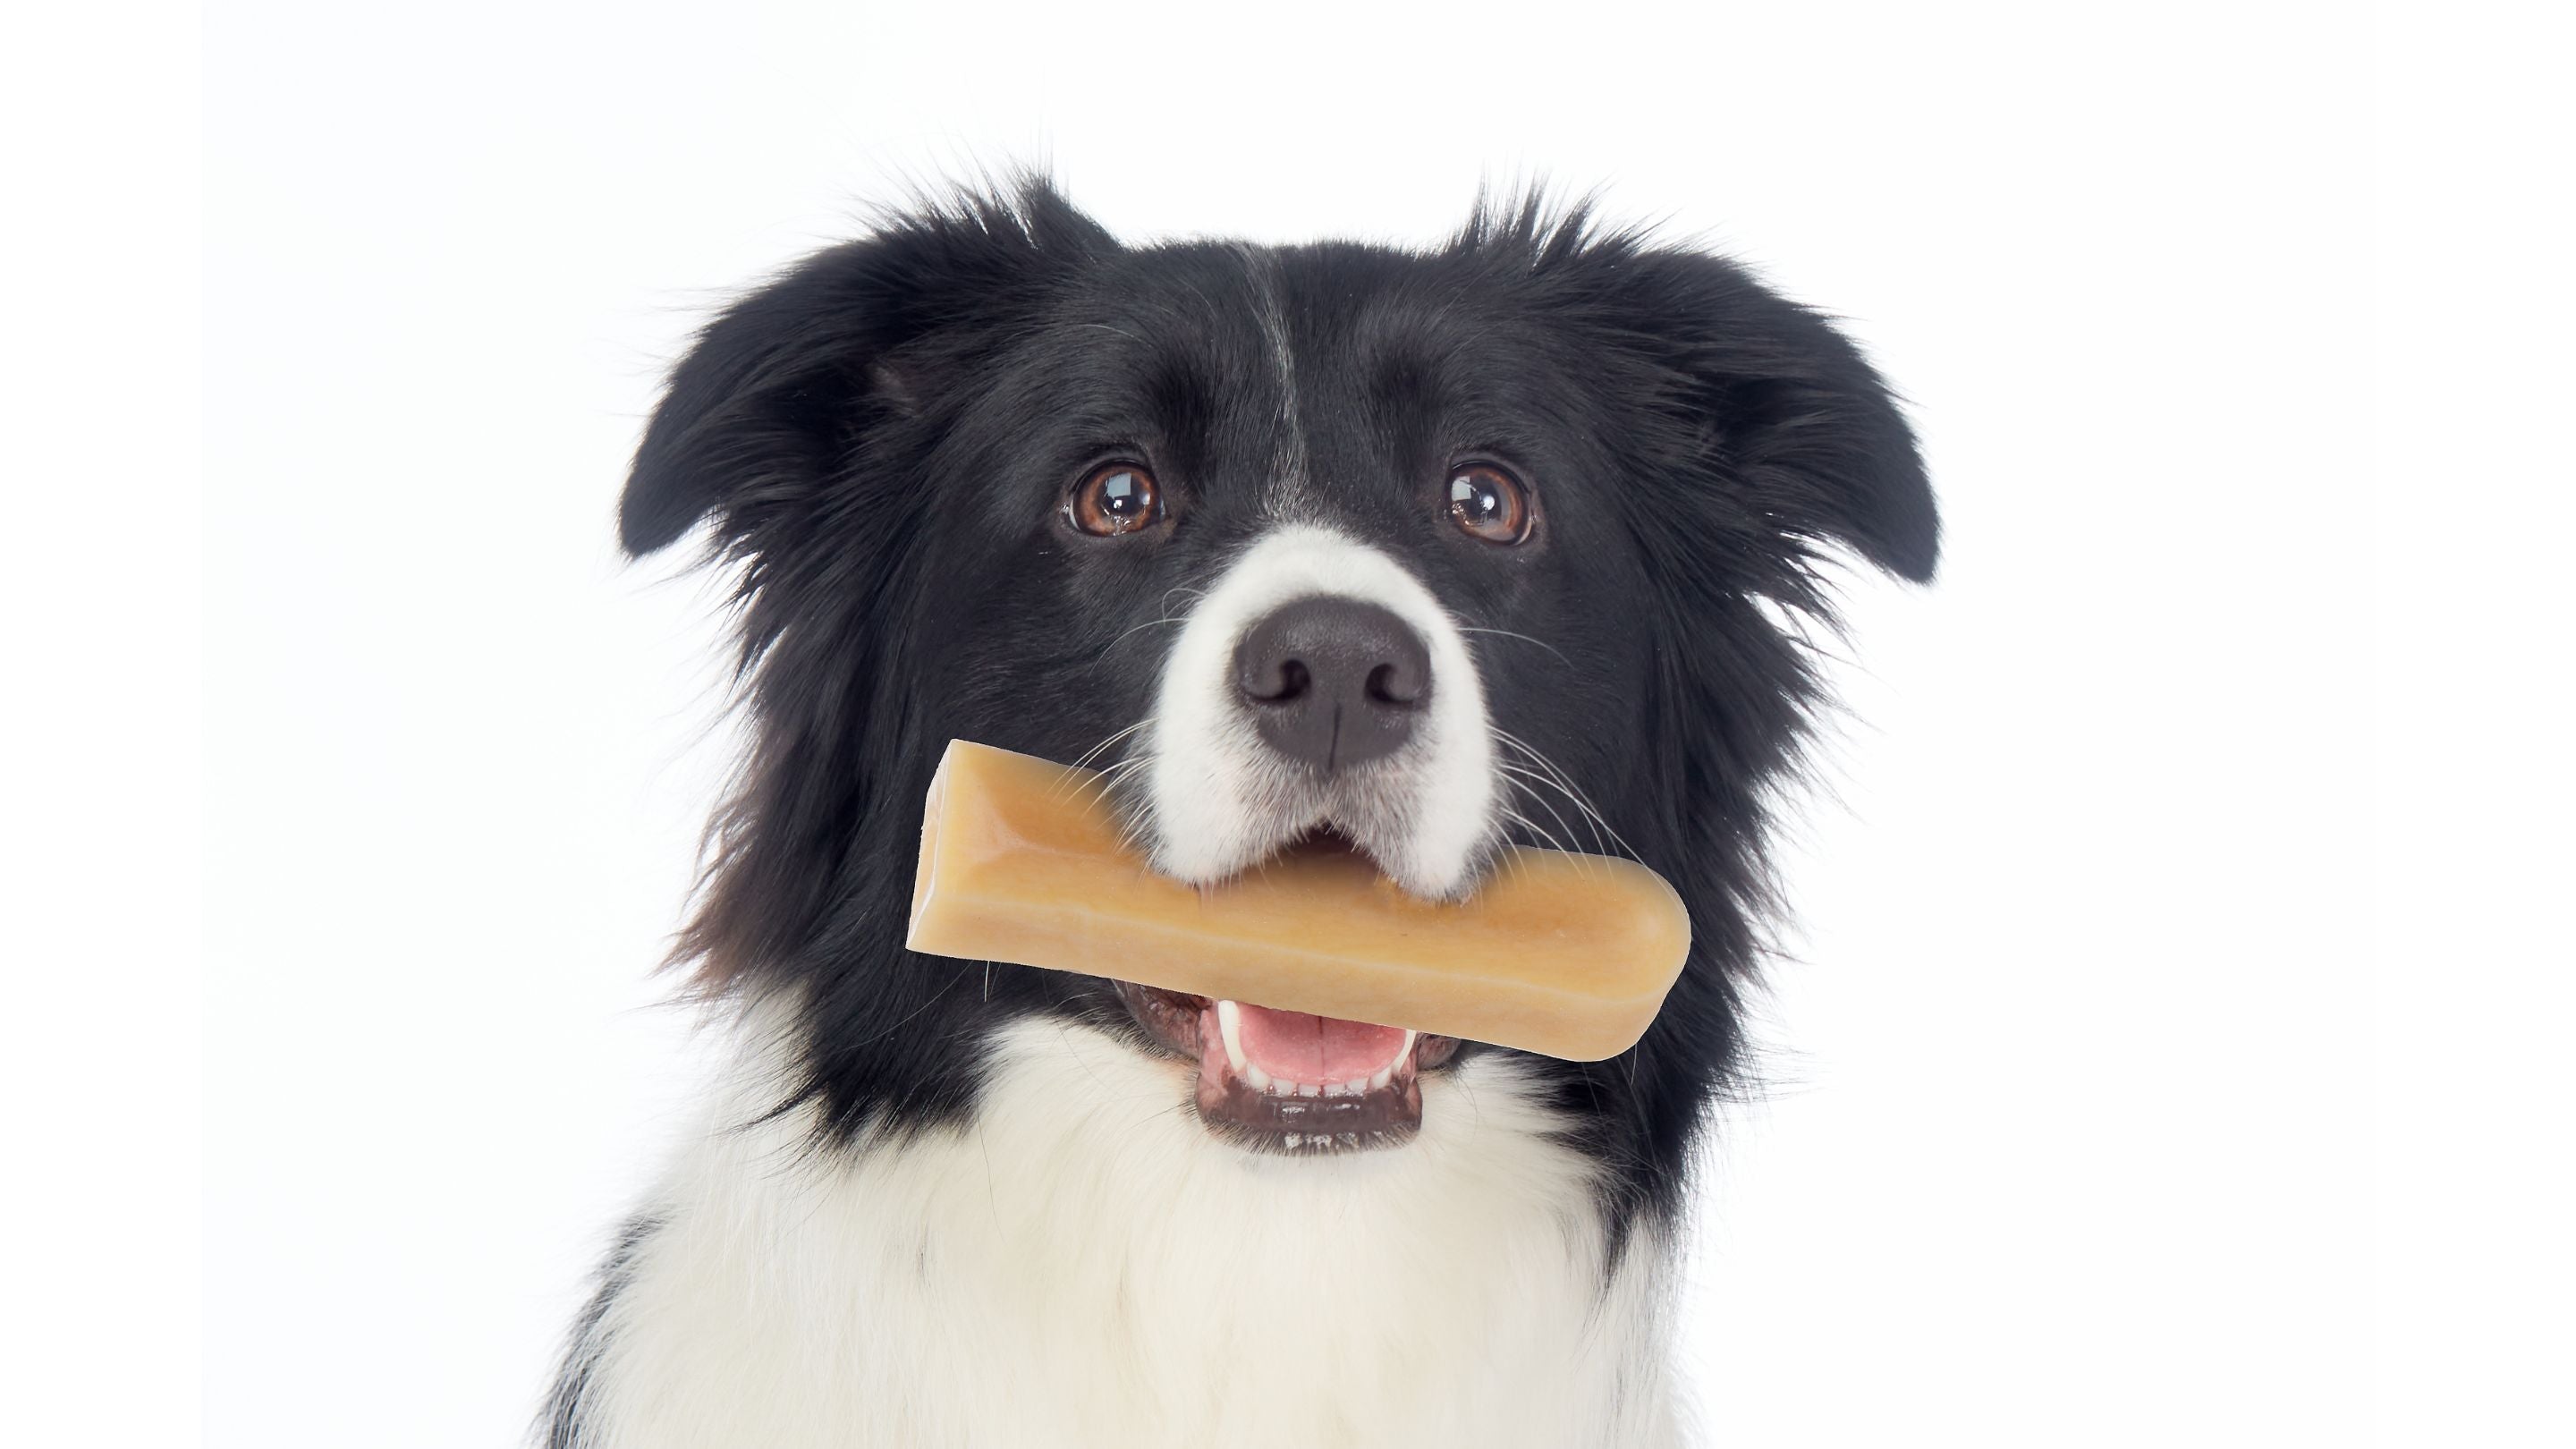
[
  {"x": 1490, "y": 503},
  {"x": 1114, "y": 498}
]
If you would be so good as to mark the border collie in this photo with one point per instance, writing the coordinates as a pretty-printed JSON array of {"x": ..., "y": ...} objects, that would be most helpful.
[{"x": 1505, "y": 541}]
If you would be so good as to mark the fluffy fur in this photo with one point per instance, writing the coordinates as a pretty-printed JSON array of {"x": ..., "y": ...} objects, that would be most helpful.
[
  {"x": 943, "y": 1203},
  {"x": 1076, "y": 1266}
]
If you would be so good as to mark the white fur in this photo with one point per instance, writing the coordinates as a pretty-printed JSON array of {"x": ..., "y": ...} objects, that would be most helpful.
[
  {"x": 1085, "y": 1265},
  {"x": 1222, "y": 801}
]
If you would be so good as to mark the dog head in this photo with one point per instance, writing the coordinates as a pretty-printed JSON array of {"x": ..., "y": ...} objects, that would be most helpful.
[{"x": 1428, "y": 552}]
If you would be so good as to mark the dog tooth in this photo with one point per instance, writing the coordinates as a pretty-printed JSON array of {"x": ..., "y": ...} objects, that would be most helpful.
[
  {"x": 1309, "y": 1089},
  {"x": 1385, "y": 1074},
  {"x": 1255, "y": 1077},
  {"x": 1229, "y": 1025},
  {"x": 1405, "y": 1050}
]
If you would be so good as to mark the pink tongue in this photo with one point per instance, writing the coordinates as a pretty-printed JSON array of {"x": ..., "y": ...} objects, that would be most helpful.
[{"x": 1320, "y": 1049}]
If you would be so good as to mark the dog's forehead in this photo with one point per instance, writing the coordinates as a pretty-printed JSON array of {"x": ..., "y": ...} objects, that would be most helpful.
[
  {"x": 1324, "y": 305},
  {"x": 1312, "y": 365}
]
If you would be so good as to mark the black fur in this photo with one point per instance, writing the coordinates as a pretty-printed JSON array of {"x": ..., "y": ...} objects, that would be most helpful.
[
  {"x": 560, "y": 1424},
  {"x": 880, "y": 439}
]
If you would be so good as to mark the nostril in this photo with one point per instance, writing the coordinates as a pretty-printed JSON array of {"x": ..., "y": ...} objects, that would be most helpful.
[
  {"x": 1395, "y": 684},
  {"x": 1333, "y": 681},
  {"x": 1282, "y": 682}
]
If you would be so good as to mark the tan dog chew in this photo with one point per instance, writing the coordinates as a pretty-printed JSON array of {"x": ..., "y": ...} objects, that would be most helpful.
[{"x": 1566, "y": 955}]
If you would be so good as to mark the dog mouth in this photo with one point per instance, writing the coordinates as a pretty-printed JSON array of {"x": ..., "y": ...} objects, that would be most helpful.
[
  {"x": 1274, "y": 1080},
  {"x": 1291, "y": 1081}
]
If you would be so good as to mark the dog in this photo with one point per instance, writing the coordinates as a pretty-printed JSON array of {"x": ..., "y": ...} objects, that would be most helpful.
[{"x": 1512, "y": 540}]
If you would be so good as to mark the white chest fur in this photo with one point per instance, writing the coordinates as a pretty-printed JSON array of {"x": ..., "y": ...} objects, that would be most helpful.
[{"x": 1084, "y": 1265}]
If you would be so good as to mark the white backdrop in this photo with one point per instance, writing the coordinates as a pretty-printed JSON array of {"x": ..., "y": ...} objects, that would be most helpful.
[{"x": 2073, "y": 1136}]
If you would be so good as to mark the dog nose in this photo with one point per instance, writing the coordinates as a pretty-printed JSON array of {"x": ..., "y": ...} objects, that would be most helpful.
[{"x": 1333, "y": 681}]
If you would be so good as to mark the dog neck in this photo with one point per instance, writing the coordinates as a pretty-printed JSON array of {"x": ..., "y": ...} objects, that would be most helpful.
[{"x": 1080, "y": 1262}]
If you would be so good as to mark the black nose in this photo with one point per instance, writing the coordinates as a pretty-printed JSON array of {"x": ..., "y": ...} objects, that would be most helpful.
[{"x": 1333, "y": 681}]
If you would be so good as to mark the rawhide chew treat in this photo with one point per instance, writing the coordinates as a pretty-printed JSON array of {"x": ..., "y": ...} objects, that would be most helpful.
[{"x": 1566, "y": 955}]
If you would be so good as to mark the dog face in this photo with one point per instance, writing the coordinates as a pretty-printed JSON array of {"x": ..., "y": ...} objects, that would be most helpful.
[{"x": 1414, "y": 554}]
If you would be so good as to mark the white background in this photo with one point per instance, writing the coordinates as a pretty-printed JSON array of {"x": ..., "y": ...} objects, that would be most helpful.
[{"x": 2171, "y": 1052}]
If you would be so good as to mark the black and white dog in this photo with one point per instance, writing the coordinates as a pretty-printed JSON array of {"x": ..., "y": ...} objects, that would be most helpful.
[{"x": 1506, "y": 541}]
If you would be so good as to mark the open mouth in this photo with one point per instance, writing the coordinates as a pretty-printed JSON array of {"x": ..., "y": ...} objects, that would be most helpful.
[{"x": 1290, "y": 1081}]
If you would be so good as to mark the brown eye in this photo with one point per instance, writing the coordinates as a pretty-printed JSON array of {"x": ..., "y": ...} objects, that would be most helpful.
[
  {"x": 1490, "y": 503},
  {"x": 1115, "y": 498}
]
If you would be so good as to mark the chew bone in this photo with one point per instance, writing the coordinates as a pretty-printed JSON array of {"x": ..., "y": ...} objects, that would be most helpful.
[{"x": 1565, "y": 955}]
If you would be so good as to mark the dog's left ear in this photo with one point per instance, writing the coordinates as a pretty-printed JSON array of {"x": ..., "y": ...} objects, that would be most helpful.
[{"x": 1805, "y": 424}]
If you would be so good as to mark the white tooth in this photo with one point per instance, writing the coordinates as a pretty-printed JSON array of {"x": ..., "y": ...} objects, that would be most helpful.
[
  {"x": 1258, "y": 1079},
  {"x": 1407, "y": 1049},
  {"x": 1385, "y": 1074},
  {"x": 1309, "y": 1089},
  {"x": 1229, "y": 1025}
]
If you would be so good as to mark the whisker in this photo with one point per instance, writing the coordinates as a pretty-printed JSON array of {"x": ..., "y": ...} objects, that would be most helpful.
[
  {"x": 1098, "y": 789},
  {"x": 1148, "y": 624},
  {"x": 1521, "y": 780},
  {"x": 1534, "y": 828},
  {"x": 1073, "y": 784},
  {"x": 1583, "y": 861},
  {"x": 1537, "y": 757},
  {"x": 1541, "y": 802},
  {"x": 1557, "y": 782},
  {"x": 1508, "y": 634},
  {"x": 1130, "y": 815},
  {"x": 1094, "y": 752},
  {"x": 1564, "y": 784}
]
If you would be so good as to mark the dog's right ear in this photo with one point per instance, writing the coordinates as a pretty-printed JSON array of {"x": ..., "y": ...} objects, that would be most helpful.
[{"x": 775, "y": 394}]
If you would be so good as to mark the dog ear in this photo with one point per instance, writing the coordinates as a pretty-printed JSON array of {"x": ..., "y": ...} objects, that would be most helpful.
[
  {"x": 778, "y": 391},
  {"x": 1805, "y": 424}
]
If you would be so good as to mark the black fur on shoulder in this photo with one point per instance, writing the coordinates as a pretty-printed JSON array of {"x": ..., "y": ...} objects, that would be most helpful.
[
  {"x": 878, "y": 442},
  {"x": 562, "y": 1422}
]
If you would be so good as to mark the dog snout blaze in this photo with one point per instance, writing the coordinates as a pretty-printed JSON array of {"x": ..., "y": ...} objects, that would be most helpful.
[{"x": 1333, "y": 682}]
